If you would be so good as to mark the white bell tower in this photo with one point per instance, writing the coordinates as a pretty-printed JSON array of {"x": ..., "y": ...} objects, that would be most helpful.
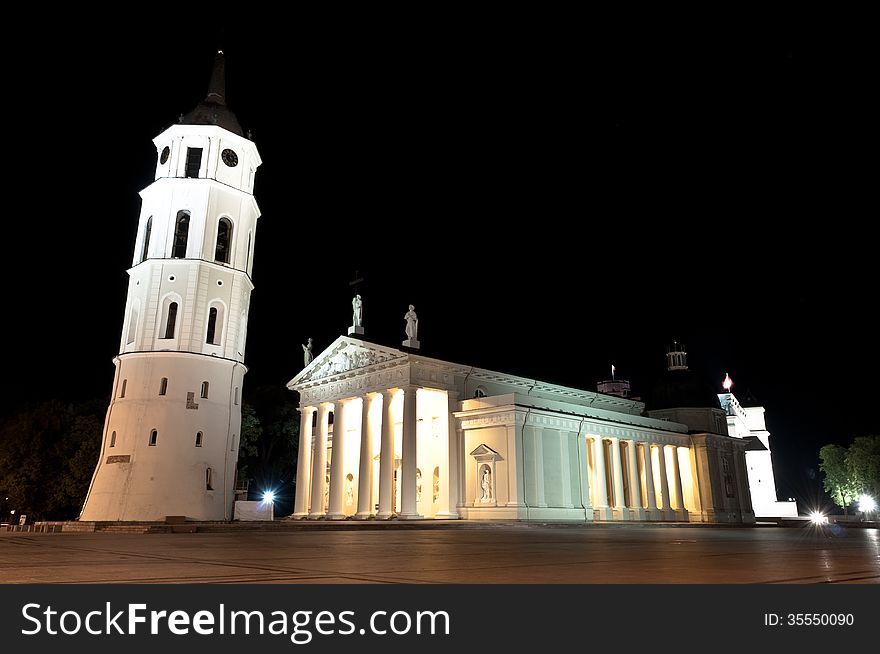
[{"x": 171, "y": 435}]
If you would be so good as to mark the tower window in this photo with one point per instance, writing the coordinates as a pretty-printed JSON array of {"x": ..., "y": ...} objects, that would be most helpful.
[
  {"x": 145, "y": 250},
  {"x": 198, "y": 439},
  {"x": 224, "y": 240},
  {"x": 163, "y": 386},
  {"x": 181, "y": 233},
  {"x": 132, "y": 326},
  {"x": 209, "y": 479},
  {"x": 113, "y": 439},
  {"x": 171, "y": 322},
  {"x": 247, "y": 262},
  {"x": 232, "y": 449},
  {"x": 122, "y": 390},
  {"x": 212, "y": 326},
  {"x": 235, "y": 395},
  {"x": 193, "y": 161},
  {"x": 154, "y": 437},
  {"x": 205, "y": 389}
]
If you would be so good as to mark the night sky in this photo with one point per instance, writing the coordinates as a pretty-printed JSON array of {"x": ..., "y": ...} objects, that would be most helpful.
[{"x": 552, "y": 197}]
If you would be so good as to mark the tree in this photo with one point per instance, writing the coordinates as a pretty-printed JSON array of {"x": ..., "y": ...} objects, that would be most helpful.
[
  {"x": 863, "y": 461},
  {"x": 270, "y": 426},
  {"x": 839, "y": 481},
  {"x": 48, "y": 453}
]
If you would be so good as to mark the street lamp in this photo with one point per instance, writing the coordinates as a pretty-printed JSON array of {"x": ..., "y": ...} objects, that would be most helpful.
[{"x": 866, "y": 504}]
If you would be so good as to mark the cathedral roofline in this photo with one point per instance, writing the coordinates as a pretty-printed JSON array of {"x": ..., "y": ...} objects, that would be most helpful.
[{"x": 529, "y": 386}]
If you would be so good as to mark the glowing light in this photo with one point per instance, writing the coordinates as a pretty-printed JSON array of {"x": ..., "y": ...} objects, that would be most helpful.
[
  {"x": 727, "y": 384},
  {"x": 818, "y": 518},
  {"x": 866, "y": 504},
  {"x": 269, "y": 496},
  {"x": 612, "y": 371}
]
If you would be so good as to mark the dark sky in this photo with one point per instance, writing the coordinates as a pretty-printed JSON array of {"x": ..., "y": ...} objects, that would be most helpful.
[{"x": 553, "y": 197}]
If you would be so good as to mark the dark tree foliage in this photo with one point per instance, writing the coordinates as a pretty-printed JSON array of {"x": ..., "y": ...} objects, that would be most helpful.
[
  {"x": 48, "y": 452},
  {"x": 269, "y": 444}
]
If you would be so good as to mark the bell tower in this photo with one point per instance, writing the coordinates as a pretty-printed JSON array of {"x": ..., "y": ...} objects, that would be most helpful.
[{"x": 171, "y": 434}]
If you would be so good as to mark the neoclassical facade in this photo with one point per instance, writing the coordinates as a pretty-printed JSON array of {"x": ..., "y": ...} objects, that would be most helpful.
[{"x": 388, "y": 433}]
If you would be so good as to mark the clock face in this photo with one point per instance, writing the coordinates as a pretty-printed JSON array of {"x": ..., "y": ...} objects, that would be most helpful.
[
  {"x": 165, "y": 153},
  {"x": 229, "y": 157}
]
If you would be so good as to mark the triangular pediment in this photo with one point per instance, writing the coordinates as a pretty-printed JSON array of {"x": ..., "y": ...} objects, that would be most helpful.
[
  {"x": 484, "y": 453},
  {"x": 345, "y": 355}
]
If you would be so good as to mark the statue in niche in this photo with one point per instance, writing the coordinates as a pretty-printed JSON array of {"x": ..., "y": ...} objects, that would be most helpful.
[
  {"x": 486, "y": 484},
  {"x": 307, "y": 353},
  {"x": 349, "y": 489},
  {"x": 418, "y": 485},
  {"x": 357, "y": 307},
  {"x": 412, "y": 324},
  {"x": 326, "y": 492}
]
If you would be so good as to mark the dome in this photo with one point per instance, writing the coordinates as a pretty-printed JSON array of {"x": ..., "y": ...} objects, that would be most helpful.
[{"x": 682, "y": 389}]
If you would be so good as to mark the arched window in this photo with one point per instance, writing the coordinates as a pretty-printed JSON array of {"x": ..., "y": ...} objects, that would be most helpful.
[
  {"x": 247, "y": 262},
  {"x": 205, "y": 389},
  {"x": 122, "y": 390},
  {"x": 209, "y": 479},
  {"x": 154, "y": 437},
  {"x": 163, "y": 386},
  {"x": 145, "y": 250},
  {"x": 171, "y": 321},
  {"x": 113, "y": 439},
  {"x": 479, "y": 392},
  {"x": 181, "y": 234},
  {"x": 235, "y": 396},
  {"x": 199, "y": 439},
  {"x": 212, "y": 325},
  {"x": 224, "y": 240},
  {"x": 132, "y": 326}
]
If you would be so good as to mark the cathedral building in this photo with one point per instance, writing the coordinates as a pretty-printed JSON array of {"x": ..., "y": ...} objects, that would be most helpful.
[
  {"x": 171, "y": 435},
  {"x": 387, "y": 432}
]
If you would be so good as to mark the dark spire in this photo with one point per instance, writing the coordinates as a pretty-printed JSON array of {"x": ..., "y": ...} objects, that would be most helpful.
[
  {"x": 217, "y": 85},
  {"x": 213, "y": 110}
]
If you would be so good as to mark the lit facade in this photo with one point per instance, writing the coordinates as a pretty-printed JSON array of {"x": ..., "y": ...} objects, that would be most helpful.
[
  {"x": 747, "y": 422},
  {"x": 171, "y": 435},
  {"x": 413, "y": 437}
]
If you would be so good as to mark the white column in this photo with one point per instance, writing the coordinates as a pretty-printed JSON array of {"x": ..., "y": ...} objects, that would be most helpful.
[
  {"x": 449, "y": 472},
  {"x": 386, "y": 458},
  {"x": 650, "y": 492},
  {"x": 664, "y": 481},
  {"x": 635, "y": 492},
  {"x": 303, "y": 463},
  {"x": 408, "y": 509},
  {"x": 584, "y": 477},
  {"x": 538, "y": 434},
  {"x": 635, "y": 489},
  {"x": 620, "y": 512},
  {"x": 336, "y": 510},
  {"x": 676, "y": 468},
  {"x": 365, "y": 467},
  {"x": 515, "y": 489},
  {"x": 601, "y": 486},
  {"x": 319, "y": 462},
  {"x": 566, "y": 469}
]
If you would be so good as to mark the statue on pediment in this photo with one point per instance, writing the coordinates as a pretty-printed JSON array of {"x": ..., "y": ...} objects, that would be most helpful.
[
  {"x": 412, "y": 324},
  {"x": 307, "y": 353},
  {"x": 357, "y": 307}
]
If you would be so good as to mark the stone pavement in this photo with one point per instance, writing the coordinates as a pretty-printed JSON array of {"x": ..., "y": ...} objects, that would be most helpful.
[{"x": 448, "y": 553}]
